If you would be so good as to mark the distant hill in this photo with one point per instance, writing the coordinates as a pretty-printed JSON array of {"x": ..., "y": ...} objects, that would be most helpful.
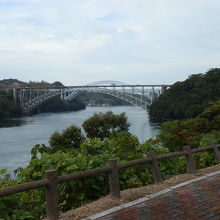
[
  {"x": 10, "y": 82},
  {"x": 189, "y": 98}
]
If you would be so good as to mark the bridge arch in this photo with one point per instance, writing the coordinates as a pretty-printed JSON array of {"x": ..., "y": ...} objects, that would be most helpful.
[
  {"x": 134, "y": 99},
  {"x": 138, "y": 95}
]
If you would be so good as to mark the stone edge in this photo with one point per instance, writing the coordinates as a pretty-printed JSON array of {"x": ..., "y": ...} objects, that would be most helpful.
[{"x": 135, "y": 202}]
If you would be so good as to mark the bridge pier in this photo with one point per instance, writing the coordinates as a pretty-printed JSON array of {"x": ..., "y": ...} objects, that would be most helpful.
[
  {"x": 15, "y": 95},
  {"x": 163, "y": 89},
  {"x": 62, "y": 96}
]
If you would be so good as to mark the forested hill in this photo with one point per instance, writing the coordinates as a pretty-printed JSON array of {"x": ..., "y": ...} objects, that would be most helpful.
[
  {"x": 189, "y": 98},
  {"x": 9, "y": 109},
  {"x": 9, "y": 82}
]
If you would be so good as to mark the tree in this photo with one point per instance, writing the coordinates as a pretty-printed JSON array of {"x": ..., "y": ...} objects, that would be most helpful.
[
  {"x": 71, "y": 137},
  {"x": 55, "y": 104},
  {"x": 57, "y": 83},
  {"x": 176, "y": 134},
  {"x": 103, "y": 124},
  {"x": 8, "y": 108},
  {"x": 189, "y": 98}
]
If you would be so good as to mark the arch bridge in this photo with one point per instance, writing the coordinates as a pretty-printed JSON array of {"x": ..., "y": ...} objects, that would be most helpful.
[{"x": 138, "y": 95}]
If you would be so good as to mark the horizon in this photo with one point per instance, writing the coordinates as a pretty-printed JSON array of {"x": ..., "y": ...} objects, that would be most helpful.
[{"x": 139, "y": 84}]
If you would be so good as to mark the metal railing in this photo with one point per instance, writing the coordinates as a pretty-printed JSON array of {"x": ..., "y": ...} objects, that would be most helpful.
[{"x": 52, "y": 180}]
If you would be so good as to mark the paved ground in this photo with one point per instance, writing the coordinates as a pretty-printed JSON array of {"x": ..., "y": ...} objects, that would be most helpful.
[{"x": 199, "y": 200}]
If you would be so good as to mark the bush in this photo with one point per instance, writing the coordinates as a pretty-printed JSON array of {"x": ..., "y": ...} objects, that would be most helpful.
[
  {"x": 103, "y": 124},
  {"x": 71, "y": 137},
  {"x": 176, "y": 134}
]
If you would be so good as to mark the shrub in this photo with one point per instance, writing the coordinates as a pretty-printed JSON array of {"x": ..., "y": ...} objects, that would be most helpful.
[
  {"x": 103, "y": 124},
  {"x": 71, "y": 137}
]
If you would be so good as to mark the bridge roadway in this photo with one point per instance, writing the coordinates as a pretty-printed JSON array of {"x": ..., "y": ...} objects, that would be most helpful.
[{"x": 83, "y": 86}]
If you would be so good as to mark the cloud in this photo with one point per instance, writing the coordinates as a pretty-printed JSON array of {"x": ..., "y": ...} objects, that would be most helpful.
[{"x": 128, "y": 40}]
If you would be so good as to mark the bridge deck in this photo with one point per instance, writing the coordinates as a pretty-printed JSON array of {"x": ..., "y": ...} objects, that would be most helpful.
[{"x": 83, "y": 86}]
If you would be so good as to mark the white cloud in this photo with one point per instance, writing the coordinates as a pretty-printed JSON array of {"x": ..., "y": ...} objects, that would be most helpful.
[{"x": 129, "y": 40}]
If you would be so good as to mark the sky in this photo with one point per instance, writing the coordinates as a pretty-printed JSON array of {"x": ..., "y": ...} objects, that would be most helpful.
[{"x": 134, "y": 41}]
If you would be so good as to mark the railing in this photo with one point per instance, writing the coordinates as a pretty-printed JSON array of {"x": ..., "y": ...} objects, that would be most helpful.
[{"x": 52, "y": 179}]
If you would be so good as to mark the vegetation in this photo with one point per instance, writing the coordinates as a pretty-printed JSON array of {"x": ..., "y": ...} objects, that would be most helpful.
[
  {"x": 176, "y": 134},
  {"x": 70, "y": 152},
  {"x": 55, "y": 104},
  {"x": 107, "y": 137},
  {"x": 7, "y": 106},
  {"x": 189, "y": 98},
  {"x": 103, "y": 124},
  {"x": 71, "y": 137}
]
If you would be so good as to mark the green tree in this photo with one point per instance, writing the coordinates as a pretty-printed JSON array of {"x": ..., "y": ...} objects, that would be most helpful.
[
  {"x": 187, "y": 99},
  {"x": 176, "y": 134},
  {"x": 71, "y": 137},
  {"x": 8, "y": 108},
  {"x": 103, "y": 124}
]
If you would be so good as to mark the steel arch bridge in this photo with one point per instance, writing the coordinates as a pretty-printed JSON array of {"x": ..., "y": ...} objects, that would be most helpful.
[{"x": 138, "y": 95}]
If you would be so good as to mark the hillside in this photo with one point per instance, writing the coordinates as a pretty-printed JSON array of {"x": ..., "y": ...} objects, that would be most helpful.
[
  {"x": 7, "y": 106},
  {"x": 189, "y": 98},
  {"x": 9, "y": 82}
]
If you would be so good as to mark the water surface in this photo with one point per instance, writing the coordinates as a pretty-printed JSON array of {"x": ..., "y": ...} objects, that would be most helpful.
[{"x": 18, "y": 136}]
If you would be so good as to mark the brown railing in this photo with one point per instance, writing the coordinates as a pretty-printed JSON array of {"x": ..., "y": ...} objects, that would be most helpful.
[{"x": 52, "y": 179}]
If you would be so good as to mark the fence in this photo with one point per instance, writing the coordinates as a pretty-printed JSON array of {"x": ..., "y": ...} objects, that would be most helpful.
[{"x": 52, "y": 179}]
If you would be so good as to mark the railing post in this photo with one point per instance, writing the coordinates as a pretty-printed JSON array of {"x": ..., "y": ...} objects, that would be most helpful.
[
  {"x": 52, "y": 195},
  {"x": 216, "y": 151},
  {"x": 189, "y": 158},
  {"x": 155, "y": 167},
  {"x": 114, "y": 180}
]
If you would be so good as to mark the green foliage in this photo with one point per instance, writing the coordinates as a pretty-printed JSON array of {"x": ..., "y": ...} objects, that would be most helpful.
[
  {"x": 71, "y": 137},
  {"x": 55, "y": 104},
  {"x": 206, "y": 159},
  {"x": 189, "y": 98},
  {"x": 215, "y": 124},
  {"x": 7, "y": 106},
  {"x": 212, "y": 137},
  {"x": 103, "y": 124},
  {"x": 66, "y": 141},
  {"x": 92, "y": 153},
  {"x": 176, "y": 134},
  {"x": 24, "y": 205},
  {"x": 70, "y": 152},
  {"x": 211, "y": 112}
]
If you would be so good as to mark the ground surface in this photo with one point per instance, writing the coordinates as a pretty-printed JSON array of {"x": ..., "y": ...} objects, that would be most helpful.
[
  {"x": 196, "y": 201},
  {"x": 132, "y": 194}
]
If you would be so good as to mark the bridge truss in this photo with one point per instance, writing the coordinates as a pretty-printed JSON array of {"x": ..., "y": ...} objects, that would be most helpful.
[{"x": 138, "y": 95}]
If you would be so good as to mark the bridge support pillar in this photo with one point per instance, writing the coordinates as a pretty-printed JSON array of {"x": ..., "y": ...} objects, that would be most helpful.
[
  {"x": 15, "y": 95},
  {"x": 152, "y": 95},
  {"x": 62, "y": 96},
  {"x": 163, "y": 89}
]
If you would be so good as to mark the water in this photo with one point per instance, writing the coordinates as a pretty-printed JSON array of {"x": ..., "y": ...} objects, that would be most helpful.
[{"x": 18, "y": 136}]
